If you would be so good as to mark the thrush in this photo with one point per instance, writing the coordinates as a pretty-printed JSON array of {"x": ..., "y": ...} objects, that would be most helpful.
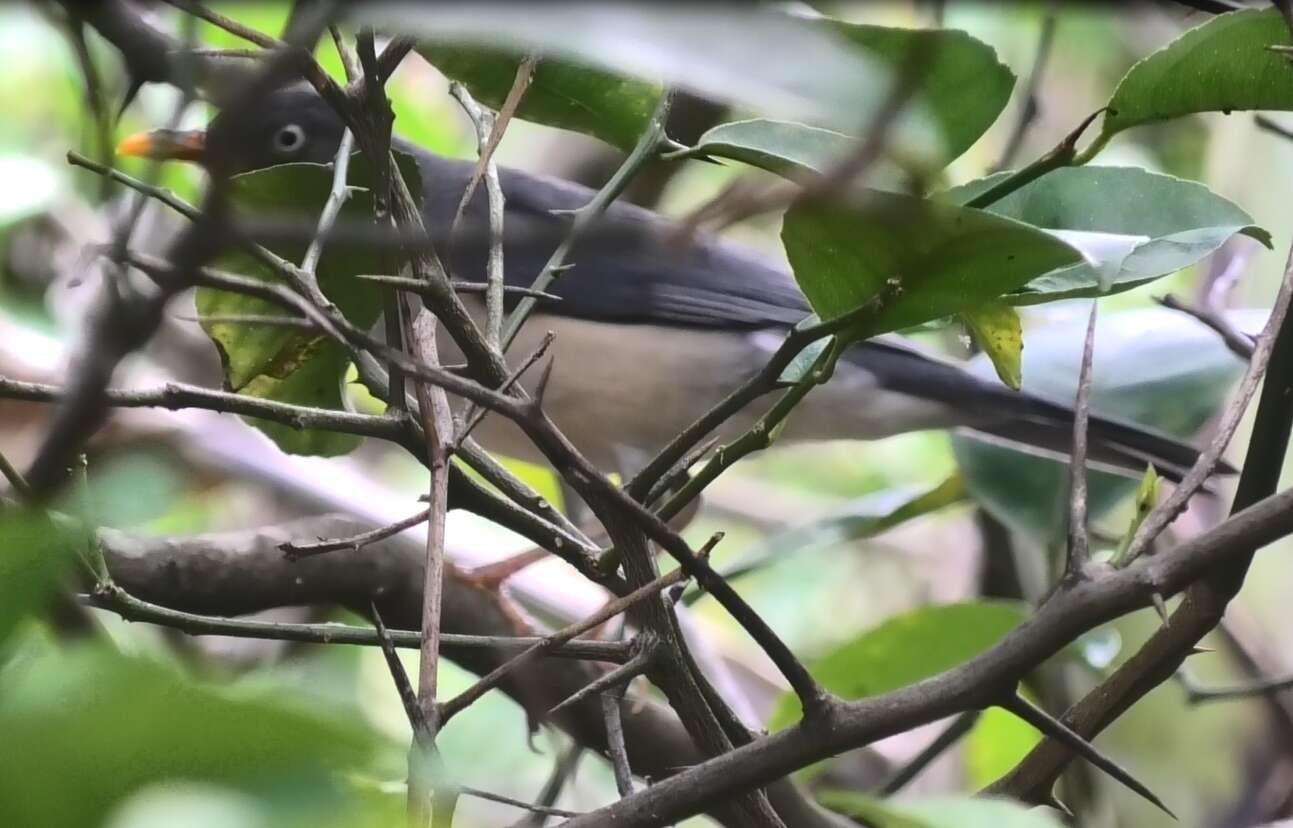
[{"x": 649, "y": 337}]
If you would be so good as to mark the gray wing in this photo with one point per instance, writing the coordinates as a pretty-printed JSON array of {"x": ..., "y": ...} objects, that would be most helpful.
[{"x": 624, "y": 271}]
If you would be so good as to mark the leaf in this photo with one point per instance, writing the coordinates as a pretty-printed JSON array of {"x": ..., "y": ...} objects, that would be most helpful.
[
  {"x": 105, "y": 726},
  {"x": 287, "y": 364},
  {"x": 1000, "y": 334},
  {"x": 1153, "y": 366},
  {"x": 1146, "y": 500},
  {"x": 1222, "y": 65},
  {"x": 942, "y": 259},
  {"x": 1137, "y": 225},
  {"x": 906, "y": 649},
  {"x": 777, "y": 146},
  {"x": 34, "y": 553},
  {"x": 864, "y": 517},
  {"x": 963, "y": 85},
  {"x": 765, "y": 61},
  {"x": 998, "y": 741},
  {"x": 939, "y": 812},
  {"x": 608, "y": 106}
]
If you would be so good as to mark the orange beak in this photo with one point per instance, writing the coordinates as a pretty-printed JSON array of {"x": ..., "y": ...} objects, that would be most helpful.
[{"x": 165, "y": 145}]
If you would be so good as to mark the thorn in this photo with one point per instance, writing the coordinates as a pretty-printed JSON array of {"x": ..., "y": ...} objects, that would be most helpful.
[
  {"x": 131, "y": 91},
  {"x": 1197, "y": 650},
  {"x": 542, "y": 387},
  {"x": 491, "y": 576},
  {"x": 622, "y": 674},
  {"x": 1160, "y": 606},
  {"x": 1066, "y": 736}
]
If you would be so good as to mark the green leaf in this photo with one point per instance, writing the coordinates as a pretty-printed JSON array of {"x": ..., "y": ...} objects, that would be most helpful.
[
  {"x": 1152, "y": 366},
  {"x": 106, "y": 726},
  {"x": 962, "y": 84},
  {"x": 963, "y": 87},
  {"x": 998, "y": 741},
  {"x": 832, "y": 81},
  {"x": 782, "y": 147},
  {"x": 939, "y": 812},
  {"x": 612, "y": 107},
  {"x": 1222, "y": 65},
  {"x": 942, "y": 259},
  {"x": 1135, "y": 225},
  {"x": 34, "y": 553},
  {"x": 1000, "y": 334},
  {"x": 287, "y": 364},
  {"x": 906, "y": 649},
  {"x": 865, "y": 517}
]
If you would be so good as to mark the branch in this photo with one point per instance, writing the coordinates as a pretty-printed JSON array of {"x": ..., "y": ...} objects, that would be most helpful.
[
  {"x": 846, "y": 725},
  {"x": 646, "y": 149}
]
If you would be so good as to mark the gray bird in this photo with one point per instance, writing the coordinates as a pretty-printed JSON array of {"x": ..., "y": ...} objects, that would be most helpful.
[{"x": 649, "y": 337}]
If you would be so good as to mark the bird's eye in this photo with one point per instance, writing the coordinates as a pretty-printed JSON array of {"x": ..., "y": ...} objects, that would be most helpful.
[{"x": 289, "y": 139}]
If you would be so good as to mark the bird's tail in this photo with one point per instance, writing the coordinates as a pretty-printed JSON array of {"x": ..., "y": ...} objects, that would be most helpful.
[{"x": 1020, "y": 419}]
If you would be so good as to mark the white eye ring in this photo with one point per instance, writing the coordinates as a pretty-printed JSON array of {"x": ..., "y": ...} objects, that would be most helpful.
[{"x": 289, "y": 138}]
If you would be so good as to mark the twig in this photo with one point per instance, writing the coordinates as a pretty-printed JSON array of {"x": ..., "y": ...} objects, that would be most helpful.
[
  {"x": 263, "y": 319},
  {"x": 162, "y": 194},
  {"x": 1195, "y": 694},
  {"x": 948, "y": 737},
  {"x": 415, "y": 286},
  {"x": 485, "y": 152},
  {"x": 611, "y": 702},
  {"x": 408, "y": 697},
  {"x": 612, "y": 608},
  {"x": 619, "y": 677},
  {"x": 117, "y": 600},
  {"x": 1271, "y": 126},
  {"x": 486, "y": 125},
  {"x": 295, "y": 551},
  {"x": 474, "y": 414},
  {"x": 175, "y": 396},
  {"x": 11, "y": 474},
  {"x": 644, "y": 151},
  {"x": 739, "y": 201},
  {"x": 767, "y": 379},
  {"x": 562, "y": 770},
  {"x": 337, "y": 198},
  {"x": 1079, "y": 543},
  {"x": 230, "y": 25},
  {"x": 1028, "y": 112},
  {"x": 1064, "y": 154},
  {"x": 1172, "y": 506},
  {"x": 1239, "y": 343},
  {"x": 517, "y": 803}
]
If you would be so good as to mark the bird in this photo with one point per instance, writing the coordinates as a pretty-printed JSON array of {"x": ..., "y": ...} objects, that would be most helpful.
[{"x": 649, "y": 338}]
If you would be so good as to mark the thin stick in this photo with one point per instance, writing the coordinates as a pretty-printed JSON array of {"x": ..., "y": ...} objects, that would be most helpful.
[
  {"x": 585, "y": 217},
  {"x": 295, "y": 551},
  {"x": 1028, "y": 112},
  {"x": 1079, "y": 545},
  {"x": 116, "y": 600},
  {"x": 486, "y": 126},
  {"x": 414, "y": 286},
  {"x": 611, "y": 702},
  {"x": 1174, "y": 504},
  {"x": 1239, "y": 343},
  {"x": 517, "y": 803},
  {"x": 950, "y": 735},
  {"x": 14, "y": 476},
  {"x": 174, "y": 396},
  {"x": 612, "y": 608},
  {"x": 337, "y": 198}
]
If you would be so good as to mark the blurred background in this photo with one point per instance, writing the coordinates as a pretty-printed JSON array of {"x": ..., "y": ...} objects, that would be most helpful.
[{"x": 808, "y": 516}]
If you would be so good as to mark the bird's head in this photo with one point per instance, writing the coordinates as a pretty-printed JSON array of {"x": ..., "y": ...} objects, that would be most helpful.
[{"x": 290, "y": 124}]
